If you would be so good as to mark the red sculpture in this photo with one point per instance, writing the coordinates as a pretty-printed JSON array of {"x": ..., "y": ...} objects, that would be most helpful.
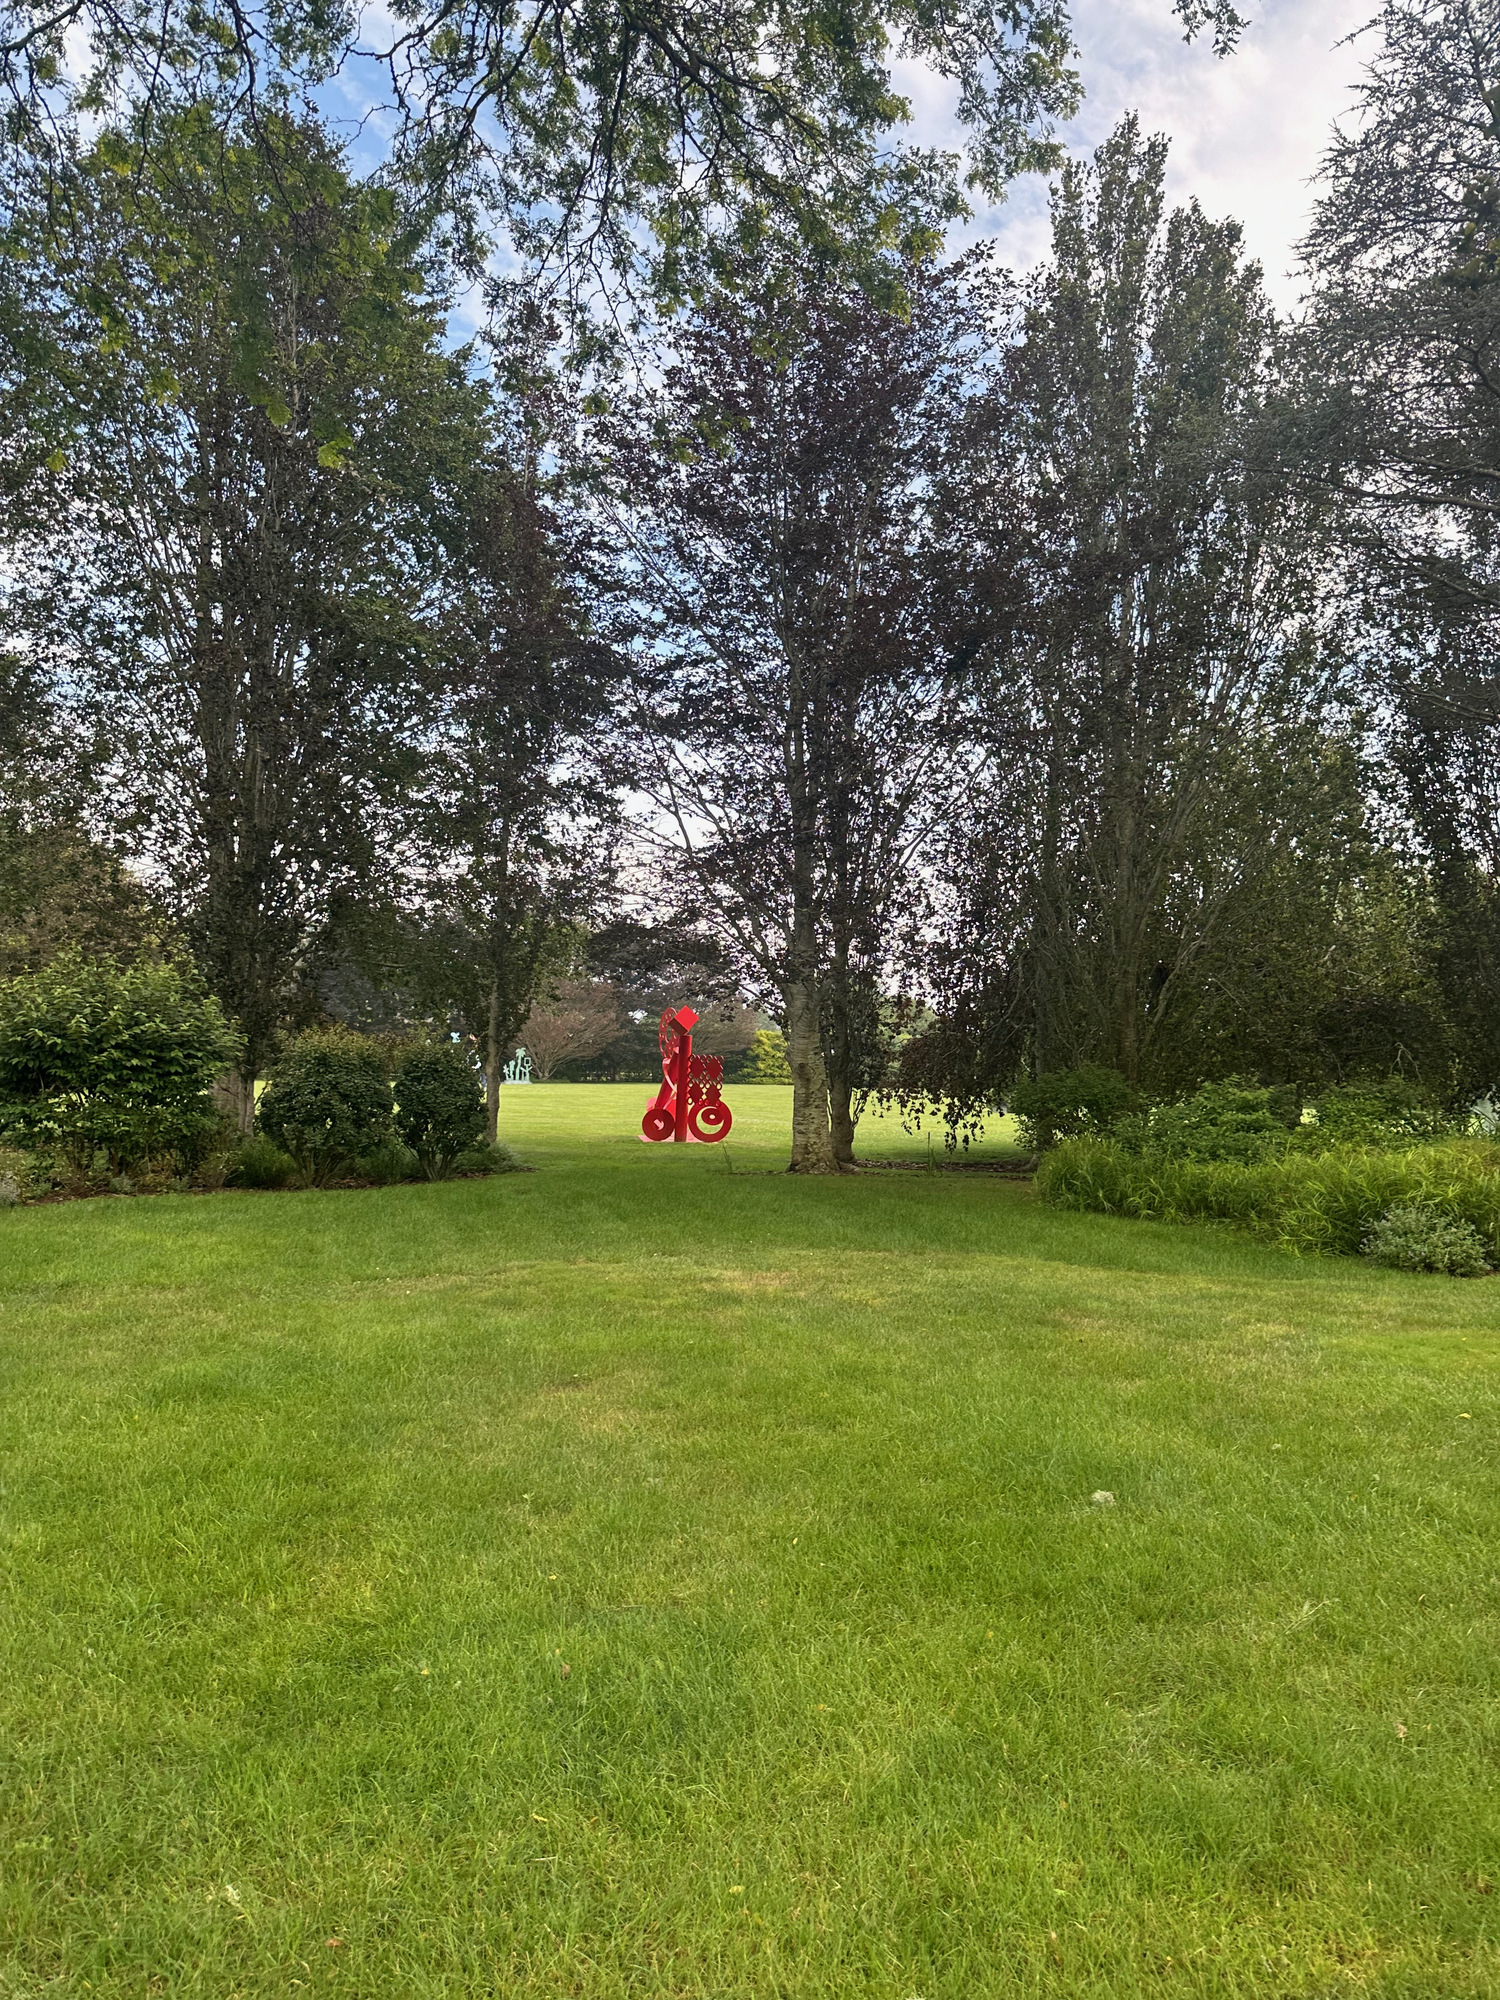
[{"x": 688, "y": 1105}]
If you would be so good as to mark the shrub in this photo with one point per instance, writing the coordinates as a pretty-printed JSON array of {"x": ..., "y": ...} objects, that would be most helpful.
[
  {"x": 1391, "y": 1113},
  {"x": 260, "y": 1163},
  {"x": 99, "y": 1058},
  {"x": 1234, "y": 1120},
  {"x": 1420, "y": 1237},
  {"x": 328, "y": 1102},
  {"x": 439, "y": 1104},
  {"x": 1070, "y": 1104},
  {"x": 1319, "y": 1202},
  {"x": 766, "y": 1061}
]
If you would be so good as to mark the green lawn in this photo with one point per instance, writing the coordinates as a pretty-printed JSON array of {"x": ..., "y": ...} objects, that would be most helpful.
[{"x": 657, "y": 1576}]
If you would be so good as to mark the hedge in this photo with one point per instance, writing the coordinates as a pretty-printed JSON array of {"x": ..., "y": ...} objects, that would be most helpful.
[{"x": 1325, "y": 1202}]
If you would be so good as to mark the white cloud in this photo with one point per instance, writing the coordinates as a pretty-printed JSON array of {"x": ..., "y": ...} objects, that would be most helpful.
[{"x": 1247, "y": 130}]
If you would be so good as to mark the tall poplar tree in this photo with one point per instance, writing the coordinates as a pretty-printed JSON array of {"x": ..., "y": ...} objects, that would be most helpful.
[{"x": 1140, "y": 591}]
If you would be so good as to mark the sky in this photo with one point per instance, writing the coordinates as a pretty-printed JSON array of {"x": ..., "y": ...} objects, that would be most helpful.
[{"x": 1247, "y": 130}]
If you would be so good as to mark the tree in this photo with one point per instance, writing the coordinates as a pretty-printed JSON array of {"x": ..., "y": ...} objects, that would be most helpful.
[
  {"x": 1404, "y": 333},
  {"x": 791, "y": 734},
  {"x": 577, "y": 1018},
  {"x": 239, "y": 530},
  {"x": 571, "y": 124},
  {"x": 1137, "y": 579},
  {"x": 515, "y": 807},
  {"x": 60, "y": 890}
]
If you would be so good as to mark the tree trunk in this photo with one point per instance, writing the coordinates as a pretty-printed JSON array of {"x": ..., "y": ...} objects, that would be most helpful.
[
  {"x": 235, "y": 1096},
  {"x": 836, "y": 1013},
  {"x": 812, "y": 1137},
  {"x": 841, "y": 1122},
  {"x": 1127, "y": 1023},
  {"x": 492, "y": 1069}
]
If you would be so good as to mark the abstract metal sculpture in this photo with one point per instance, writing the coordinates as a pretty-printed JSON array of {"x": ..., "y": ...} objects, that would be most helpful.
[
  {"x": 518, "y": 1069},
  {"x": 688, "y": 1105}
]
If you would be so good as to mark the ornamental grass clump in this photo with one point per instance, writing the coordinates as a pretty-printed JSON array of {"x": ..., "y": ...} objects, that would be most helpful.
[
  {"x": 1325, "y": 1202},
  {"x": 328, "y": 1103},
  {"x": 260, "y": 1163}
]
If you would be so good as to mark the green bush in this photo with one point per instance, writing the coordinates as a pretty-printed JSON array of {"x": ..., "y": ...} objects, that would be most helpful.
[
  {"x": 1317, "y": 1202},
  {"x": 108, "y": 1065},
  {"x": 1070, "y": 1104},
  {"x": 439, "y": 1104},
  {"x": 766, "y": 1059},
  {"x": 1420, "y": 1238},
  {"x": 1391, "y": 1113},
  {"x": 1233, "y": 1120},
  {"x": 328, "y": 1102},
  {"x": 260, "y": 1163},
  {"x": 24, "y": 1173}
]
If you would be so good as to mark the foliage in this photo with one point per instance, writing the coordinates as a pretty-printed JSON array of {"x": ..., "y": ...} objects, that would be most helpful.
[
  {"x": 766, "y": 1061},
  {"x": 1326, "y": 1202},
  {"x": 439, "y": 1105},
  {"x": 1317, "y": 966},
  {"x": 258, "y": 1162},
  {"x": 1070, "y": 1104},
  {"x": 1418, "y": 1237},
  {"x": 23, "y": 1174},
  {"x": 247, "y": 360},
  {"x": 1221, "y": 1121},
  {"x": 389, "y": 1164},
  {"x": 60, "y": 888},
  {"x": 100, "y": 1057},
  {"x": 606, "y": 151},
  {"x": 1388, "y": 1112},
  {"x": 328, "y": 1102}
]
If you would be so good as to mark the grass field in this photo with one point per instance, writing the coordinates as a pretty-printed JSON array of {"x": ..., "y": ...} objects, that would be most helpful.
[{"x": 656, "y": 1576}]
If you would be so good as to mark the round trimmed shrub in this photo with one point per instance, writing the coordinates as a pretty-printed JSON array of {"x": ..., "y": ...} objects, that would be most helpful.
[
  {"x": 328, "y": 1102},
  {"x": 439, "y": 1105}
]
